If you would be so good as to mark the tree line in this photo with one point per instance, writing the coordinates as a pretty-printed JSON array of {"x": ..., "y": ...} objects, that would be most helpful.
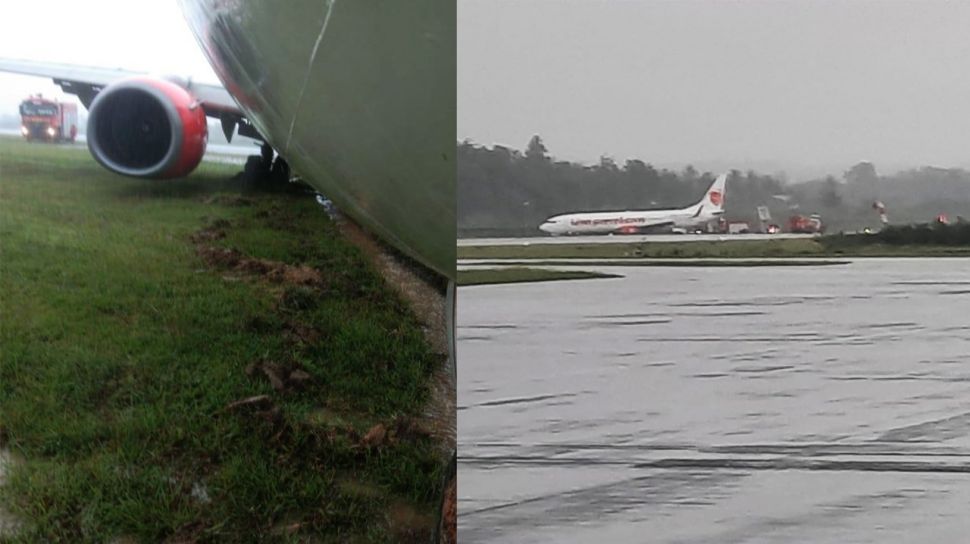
[{"x": 506, "y": 192}]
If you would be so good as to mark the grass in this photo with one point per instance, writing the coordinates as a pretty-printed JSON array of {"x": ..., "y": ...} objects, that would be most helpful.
[
  {"x": 122, "y": 351},
  {"x": 491, "y": 276},
  {"x": 655, "y": 250},
  {"x": 828, "y": 246}
]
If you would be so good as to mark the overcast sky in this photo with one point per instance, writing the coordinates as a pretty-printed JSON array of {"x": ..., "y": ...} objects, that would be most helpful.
[
  {"x": 805, "y": 86},
  {"x": 142, "y": 35}
]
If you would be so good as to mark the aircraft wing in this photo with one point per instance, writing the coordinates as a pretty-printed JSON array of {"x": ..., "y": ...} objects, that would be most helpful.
[{"x": 87, "y": 81}]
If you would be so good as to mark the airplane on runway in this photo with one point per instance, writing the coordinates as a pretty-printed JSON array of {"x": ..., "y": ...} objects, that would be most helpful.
[
  {"x": 357, "y": 97},
  {"x": 709, "y": 208}
]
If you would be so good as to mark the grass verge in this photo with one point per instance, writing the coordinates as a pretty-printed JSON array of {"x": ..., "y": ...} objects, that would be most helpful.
[
  {"x": 829, "y": 246},
  {"x": 491, "y": 276},
  {"x": 190, "y": 360}
]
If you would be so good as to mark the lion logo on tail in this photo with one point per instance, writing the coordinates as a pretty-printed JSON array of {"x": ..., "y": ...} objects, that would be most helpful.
[{"x": 716, "y": 198}]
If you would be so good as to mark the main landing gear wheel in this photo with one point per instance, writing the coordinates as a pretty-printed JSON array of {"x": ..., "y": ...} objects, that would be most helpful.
[
  {"x": 263, "y": 169},
  {"x": 279, "y": 173}
]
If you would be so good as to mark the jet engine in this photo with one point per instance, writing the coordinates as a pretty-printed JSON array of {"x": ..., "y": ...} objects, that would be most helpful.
[{"x": 147, "y": 128}]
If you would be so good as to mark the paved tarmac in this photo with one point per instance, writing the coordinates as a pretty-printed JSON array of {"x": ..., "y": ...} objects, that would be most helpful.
[{"x": 806, "y": 404}]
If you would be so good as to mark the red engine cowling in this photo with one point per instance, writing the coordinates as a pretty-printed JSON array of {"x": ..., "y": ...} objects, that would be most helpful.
[{"x": 147, "y": 128}]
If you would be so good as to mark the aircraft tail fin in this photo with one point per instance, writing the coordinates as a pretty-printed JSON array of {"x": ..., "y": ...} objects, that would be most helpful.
[{"x": 714, "y": 197}]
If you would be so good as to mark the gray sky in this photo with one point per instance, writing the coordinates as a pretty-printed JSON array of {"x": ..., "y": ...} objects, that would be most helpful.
[
  {"x": 810, "y": 86},
  {"x": 142, "y": 35}
]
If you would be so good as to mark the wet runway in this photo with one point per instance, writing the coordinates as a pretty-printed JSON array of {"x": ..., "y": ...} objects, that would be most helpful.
[
  {"x": 624, "y": 239},
  {"x": 827, "y": 404}
]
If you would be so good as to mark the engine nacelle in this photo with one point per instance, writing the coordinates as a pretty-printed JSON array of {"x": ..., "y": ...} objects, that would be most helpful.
[{"x": 147, "y": 128}]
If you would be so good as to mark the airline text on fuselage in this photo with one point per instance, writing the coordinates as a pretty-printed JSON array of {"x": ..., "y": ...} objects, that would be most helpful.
[{"x": 609, "y": 221}]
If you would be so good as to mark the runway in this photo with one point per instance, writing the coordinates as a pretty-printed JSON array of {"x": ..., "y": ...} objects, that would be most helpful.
[
  {"x": 705, "y": 405},
  {"x": 625, "y": 239}
]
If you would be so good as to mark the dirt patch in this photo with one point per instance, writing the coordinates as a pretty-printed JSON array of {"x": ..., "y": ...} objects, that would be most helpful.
[
  {"x": 282, "y": 378},
  {"x": 430, "y": 305},
  {"x": 261, "y": 408},
  {"x": 208, "y": 235},
  {"x": 299, "y": 291},
  {"x": 428, "y": 302},
  {"x": 219, "y": 257},
  {"x": 228, "y": 200},
  {"x": 190, "y": 533},
  {"x": 215, "y": 231},
  {"x": 375, "y": 436},
  {"x": 353, "y": 486},
  {"x": 231, "y": 259},
  {"x": 299, "y": 333},
  {"x": 379, "y": 435},
  {"x": 409, "y": 428},
  {"x": 274, "y": 271},
  {"x": 289, "y": 529},
  {"x": 409, "y": 525},
  {"x": 448, "y": 528},
  {"x": 382, "y": 435}
]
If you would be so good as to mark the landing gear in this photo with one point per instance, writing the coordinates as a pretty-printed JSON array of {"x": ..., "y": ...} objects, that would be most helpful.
[
  {"x": 258, "y": 166},
  {"x": 264, "y": 169},
  {"x": 279, "y": 173}
]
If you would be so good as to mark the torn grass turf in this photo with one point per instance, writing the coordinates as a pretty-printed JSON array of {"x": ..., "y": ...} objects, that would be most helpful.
[
  {"x": 520, "y": 274},
  {"x": 123, "y": 347}
]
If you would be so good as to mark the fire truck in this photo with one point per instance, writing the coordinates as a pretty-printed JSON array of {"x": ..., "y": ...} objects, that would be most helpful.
[
  {"x": 48, "y": 120},
  {"x": 806, "y": 225}
]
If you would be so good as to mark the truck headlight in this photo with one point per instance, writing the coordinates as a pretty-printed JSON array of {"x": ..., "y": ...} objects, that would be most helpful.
[
  {"x": 51, "y": 131},
  {"x": 24, "y": 130}
]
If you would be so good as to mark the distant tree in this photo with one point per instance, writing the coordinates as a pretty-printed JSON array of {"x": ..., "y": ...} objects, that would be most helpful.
[
  {"x": 503, "y": 191},
  {"x": 831, "y": 193},
  {"x": 863, "y": 173},
  {"x": 608, "y": 163},
  {"x": 690, "y": 173},
  {"x": 635, "y": 167},
  {"x": 536, "y": 150},
  {"x": 504, "y": 154}
]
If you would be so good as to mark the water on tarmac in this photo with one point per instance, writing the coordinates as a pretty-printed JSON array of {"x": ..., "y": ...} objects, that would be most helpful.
[{"x": 801, "y": 404}]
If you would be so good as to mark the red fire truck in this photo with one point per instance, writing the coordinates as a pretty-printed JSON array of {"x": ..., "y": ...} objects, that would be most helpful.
[
  {"x": 48, "y": 120},
  {"x": 806, "y": 225}
]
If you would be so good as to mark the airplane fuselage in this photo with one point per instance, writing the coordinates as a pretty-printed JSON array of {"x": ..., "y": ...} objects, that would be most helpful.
[
  {"x": 709, "y": 208},
  {"x": 625, "y": 222},
  {"x": 358, "y": 97}
]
